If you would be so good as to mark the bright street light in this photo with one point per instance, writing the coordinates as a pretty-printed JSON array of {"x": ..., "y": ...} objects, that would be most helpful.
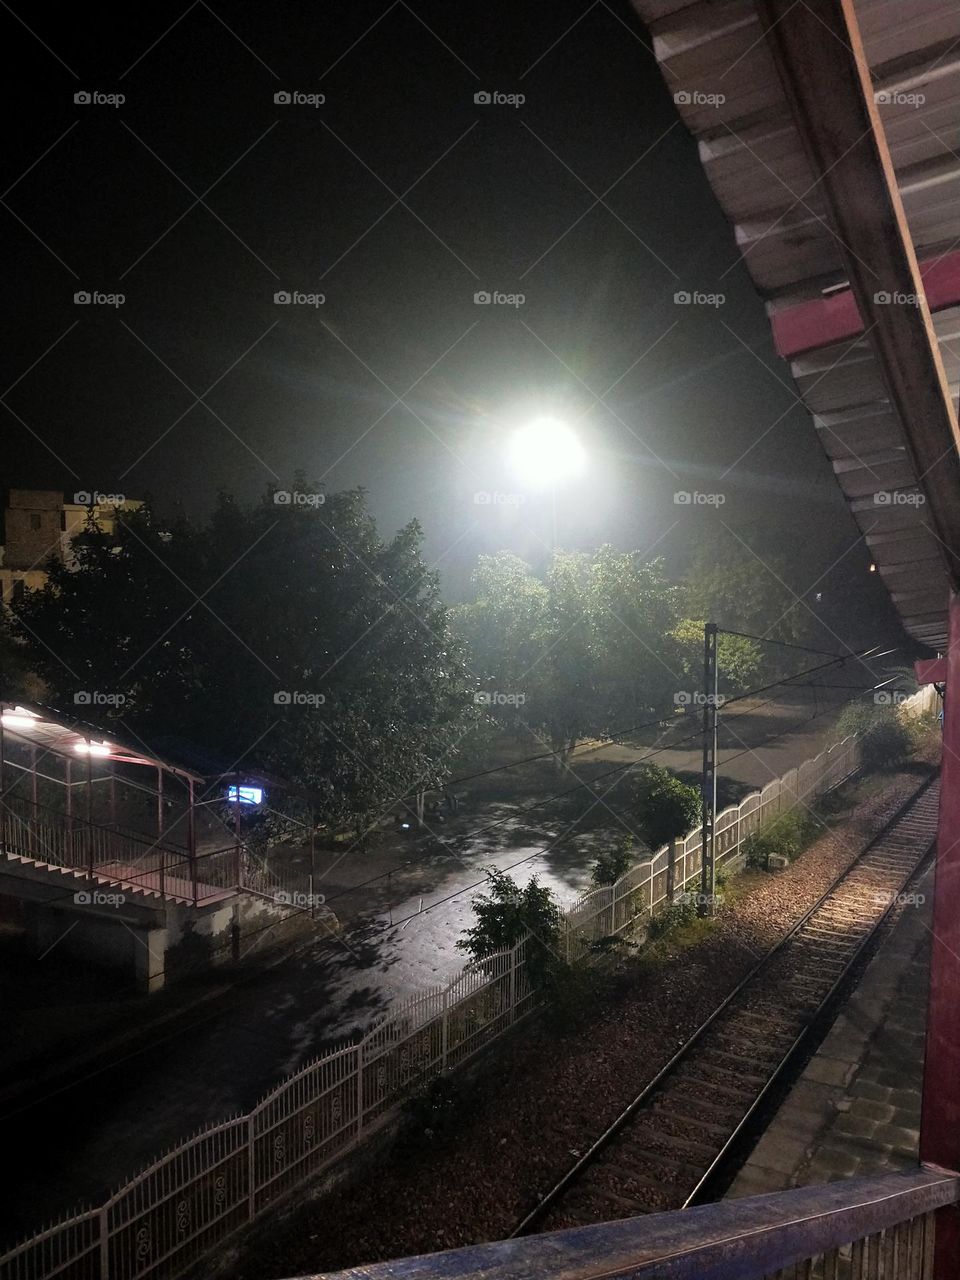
[{"x": 546, "y": 452}]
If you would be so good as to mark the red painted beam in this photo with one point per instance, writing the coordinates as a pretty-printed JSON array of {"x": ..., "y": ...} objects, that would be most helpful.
[
  {"x": 940, "y": 1120},
  {"x": 931, "y": 670},
  {"x": 822, "y": 321}
]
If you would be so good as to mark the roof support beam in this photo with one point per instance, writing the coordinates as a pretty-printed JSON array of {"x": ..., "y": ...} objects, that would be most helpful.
[{"x": 821, "y": 62}]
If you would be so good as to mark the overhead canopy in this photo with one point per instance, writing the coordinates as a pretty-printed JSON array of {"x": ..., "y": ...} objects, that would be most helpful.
[{"x": 830, "y": 133}]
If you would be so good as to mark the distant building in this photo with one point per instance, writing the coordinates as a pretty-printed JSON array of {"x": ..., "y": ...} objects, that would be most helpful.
[{"x": 40, "y": 525}]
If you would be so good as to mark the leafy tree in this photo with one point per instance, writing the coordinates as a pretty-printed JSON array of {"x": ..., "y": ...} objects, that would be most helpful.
[
  {"x": 664, "y": 807},
  {"x": 506, "y": 914},
  {"x": 885, "y": 739},
  {"x": 727, "y": 585},
  {"x": 587, "y": 648},
  {"x": 612, "y": 864},
  {"x": 284, "y": 636},
  {"x": 739, "y": 660}
]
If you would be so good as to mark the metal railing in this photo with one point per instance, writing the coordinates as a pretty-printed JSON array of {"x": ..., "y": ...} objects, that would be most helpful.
[
  {"x": 128, "y": 859},
  {"x": 873, "y": 1228},
  {"x": 205, "y": 1188},
  {"x": 209, "y": 1185}
]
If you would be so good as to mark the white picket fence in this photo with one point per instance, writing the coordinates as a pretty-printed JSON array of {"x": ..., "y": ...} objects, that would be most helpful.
[
  {"x": 182, "y": 1206},
  {"x": 620, "y": 907}
]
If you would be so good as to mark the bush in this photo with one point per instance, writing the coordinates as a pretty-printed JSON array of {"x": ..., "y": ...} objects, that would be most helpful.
[
  {"x": 431, "y": 1114},
  {"x": 612, "y": 864},
  {"x": 885, "y": 739},
  {"x": 664, "y": 807},
  {"x": 673, "y": 917},
  {"x": 787, "y": 835},
  {"x": 507, "y": 914}
]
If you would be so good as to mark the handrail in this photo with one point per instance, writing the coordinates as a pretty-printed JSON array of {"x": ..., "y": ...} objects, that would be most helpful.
[
  {"x": 747, "y": 1238},
  {"x": 79, "y": 821}
]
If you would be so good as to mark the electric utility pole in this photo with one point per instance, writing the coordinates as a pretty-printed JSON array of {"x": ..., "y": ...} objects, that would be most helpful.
[{"x": 708, "y": 784}]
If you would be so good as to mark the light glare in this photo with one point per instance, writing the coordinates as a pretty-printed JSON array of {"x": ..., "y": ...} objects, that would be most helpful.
[{"x": 546, "y": 452}]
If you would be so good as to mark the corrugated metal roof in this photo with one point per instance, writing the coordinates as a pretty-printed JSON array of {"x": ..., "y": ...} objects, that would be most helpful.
[{"x": 754, "y": 158}]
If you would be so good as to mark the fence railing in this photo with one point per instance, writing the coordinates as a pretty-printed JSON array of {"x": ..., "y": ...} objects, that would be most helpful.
[
  {"x": 673, "y": 869},
  {"x": 170, "y": 1214},
  {"x": 131, "y": 860},
  {"x": 173, "y": 1212}
]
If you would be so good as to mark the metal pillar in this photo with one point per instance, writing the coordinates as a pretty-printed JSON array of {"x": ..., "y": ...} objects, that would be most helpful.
[
  {"x": 708, "y": 784},
  {"x": 91, "y": 852},
  {"x": 192, "y": 840},
  {"x": 236, "y": 834},
  {"x": 3, "y": 790},
  {"x": 34, "y": 806},
  {"x": 159, "y": 802},
  {"x": 67, "y": 768},
  {"x": 940, "y": 1122}
]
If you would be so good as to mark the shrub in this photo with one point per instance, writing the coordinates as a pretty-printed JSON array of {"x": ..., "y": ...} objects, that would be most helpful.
[
  {"x": 431, "y": 1113},
  {"x": 789, "y": 834},
  {"x": 673, "y": 917},
  {"x": 612, "y": 864},
  {"x": 664, "y": 807},
  {"x": 505, "y": 916},
  {"x": 885, "y": 739}
]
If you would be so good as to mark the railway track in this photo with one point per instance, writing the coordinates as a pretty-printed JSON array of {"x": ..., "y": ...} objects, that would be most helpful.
[{"x": 667, "y": 1146}]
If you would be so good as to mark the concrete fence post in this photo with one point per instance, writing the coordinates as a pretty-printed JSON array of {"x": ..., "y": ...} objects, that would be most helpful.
[
  {"x": 445, "y": 1030},
  {"x": 672, "y": 868},
  {"x": 103, "y": 1221}
]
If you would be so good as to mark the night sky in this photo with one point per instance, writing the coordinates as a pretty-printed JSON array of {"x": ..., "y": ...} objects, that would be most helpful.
[{"x": 398, "y": 199}]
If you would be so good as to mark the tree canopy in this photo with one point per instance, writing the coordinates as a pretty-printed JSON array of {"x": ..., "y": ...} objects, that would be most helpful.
[
  {"x": 583, "y": 650},
  {"x": 286, "y": 636}
]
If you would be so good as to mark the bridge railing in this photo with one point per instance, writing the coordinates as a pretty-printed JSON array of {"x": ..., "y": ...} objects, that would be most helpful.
[
  {"x": 873, "y": 1228},
  {"x": 128, "y": 858}
]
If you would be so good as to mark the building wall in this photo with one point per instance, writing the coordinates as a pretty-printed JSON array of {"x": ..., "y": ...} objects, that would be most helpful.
[
  {"x": 38, "y": 525},
  {"x": 32, "y": 524}
]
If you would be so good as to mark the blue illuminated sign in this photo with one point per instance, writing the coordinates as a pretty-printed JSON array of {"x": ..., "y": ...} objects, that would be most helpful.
[{"x": 248, "y": 795}]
